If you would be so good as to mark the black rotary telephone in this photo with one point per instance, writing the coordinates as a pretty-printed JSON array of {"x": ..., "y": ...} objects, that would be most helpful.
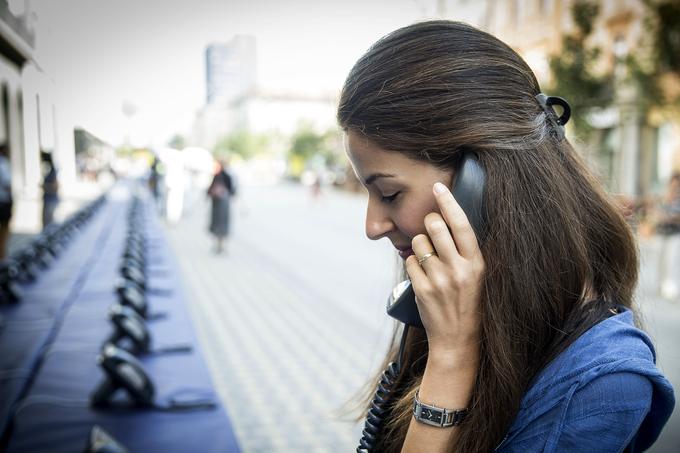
[{"x": 468, "y": 190}]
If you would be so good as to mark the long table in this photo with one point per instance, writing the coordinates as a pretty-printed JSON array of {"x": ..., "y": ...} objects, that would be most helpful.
[{"x": 53, "y": 413}]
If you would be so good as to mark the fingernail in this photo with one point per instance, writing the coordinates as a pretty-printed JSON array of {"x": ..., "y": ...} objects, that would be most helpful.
[{"x": 439, "y": 188}]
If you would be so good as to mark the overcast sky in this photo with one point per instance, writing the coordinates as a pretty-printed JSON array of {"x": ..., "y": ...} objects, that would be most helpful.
[{"x": 101, "y": 53}]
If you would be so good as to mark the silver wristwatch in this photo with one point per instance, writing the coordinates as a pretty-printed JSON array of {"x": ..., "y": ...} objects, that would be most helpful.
[{"x": 437, "y": 416}]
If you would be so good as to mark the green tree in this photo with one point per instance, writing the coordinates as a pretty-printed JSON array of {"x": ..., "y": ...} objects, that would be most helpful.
[
  {"x": 572, "y": 69},
  {"x": 243, "y": 143},
  {"x": 311, "y": 148},
  {"x": 660, "y": 54},
  {"x": 666, "y": 34},
  {"x": 306, "y": 143}
]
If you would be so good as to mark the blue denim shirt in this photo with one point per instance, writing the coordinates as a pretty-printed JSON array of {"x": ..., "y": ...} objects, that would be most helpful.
[{"x": 602, "y": 394}]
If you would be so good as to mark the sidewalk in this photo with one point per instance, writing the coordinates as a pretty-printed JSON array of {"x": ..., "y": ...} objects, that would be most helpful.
[
  {"x": 287, "y": 339},
  {"x": 661, "y": 321}
]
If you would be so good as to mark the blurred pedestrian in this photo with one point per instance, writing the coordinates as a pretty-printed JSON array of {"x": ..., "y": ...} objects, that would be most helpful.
[
  {"x": 668, "y": 227},
  {"x": 50, "y": 187},
  {"x": 6, "y": 200},
  {"x": 525, "y": 337},
  {"x": 315, "y": 187},
  {"x": 220, "y": 191},
  {"x": 154, "y": 178}
]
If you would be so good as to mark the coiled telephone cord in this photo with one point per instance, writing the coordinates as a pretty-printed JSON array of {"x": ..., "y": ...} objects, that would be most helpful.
[{"x": 375, "y": 416}]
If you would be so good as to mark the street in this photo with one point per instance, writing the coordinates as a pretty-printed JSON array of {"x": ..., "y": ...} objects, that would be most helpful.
[{"x": 292, "y": 318}]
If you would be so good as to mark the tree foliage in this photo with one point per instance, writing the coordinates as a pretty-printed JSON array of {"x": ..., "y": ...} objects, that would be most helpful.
[
  {"x": 667, "y": 34},
  {"x": 573, "y": 69},
  {"x": 306, "y": 143},
  {"x": 243, "y": 143},
  {"x": 662, "y": 56}
]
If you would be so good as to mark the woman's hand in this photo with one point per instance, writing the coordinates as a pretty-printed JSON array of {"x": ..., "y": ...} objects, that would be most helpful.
[{"x": 448, "y": 284}]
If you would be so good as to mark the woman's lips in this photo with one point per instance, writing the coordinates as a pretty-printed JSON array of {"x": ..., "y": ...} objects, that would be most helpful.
[{"x": 405, "y": 253}]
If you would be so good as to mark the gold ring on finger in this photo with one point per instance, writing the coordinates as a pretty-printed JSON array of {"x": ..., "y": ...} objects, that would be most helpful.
[{"x": 426, "y": 257}]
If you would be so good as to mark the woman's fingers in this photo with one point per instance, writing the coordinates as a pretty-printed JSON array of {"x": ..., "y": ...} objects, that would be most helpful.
[
  {"x": 461, "y": 230},
  {"x": 424, "y": 251},
  {"x": 416, "y": 273},
  {"x": 440, "y": 236}
]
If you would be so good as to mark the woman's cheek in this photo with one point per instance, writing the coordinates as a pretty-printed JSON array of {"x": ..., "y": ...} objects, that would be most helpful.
[{"x": 413, "y": 224}]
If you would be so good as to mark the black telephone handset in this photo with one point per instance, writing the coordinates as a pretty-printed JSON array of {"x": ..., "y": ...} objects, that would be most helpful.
[
  {"x": 123, "y": 371},
  {"x": 129, "y": 295},
  {"x": 129, "y": 328},
  {"x": 131, "y": 333},
  {"x": 468, "y": 190}
]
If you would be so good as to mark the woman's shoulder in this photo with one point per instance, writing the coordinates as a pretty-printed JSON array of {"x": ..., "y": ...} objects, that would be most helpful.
[
  {"x": 609, "y": 371},
  {"x": 615, "y": 343}
]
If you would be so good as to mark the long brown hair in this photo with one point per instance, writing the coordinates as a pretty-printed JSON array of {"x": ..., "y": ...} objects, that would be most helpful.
[{"x": 435, "y": 89}]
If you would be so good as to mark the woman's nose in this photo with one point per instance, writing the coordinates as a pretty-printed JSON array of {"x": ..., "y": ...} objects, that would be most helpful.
[{"x": 378, "y": 223}]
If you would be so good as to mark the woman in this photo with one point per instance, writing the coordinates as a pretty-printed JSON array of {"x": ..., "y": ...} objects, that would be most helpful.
[
  {"x": 50, "y": 188},
  {"x": 6, "y": 199},
  {"x": 221, "y": 190},
  {"x": 529, "y": 337}
]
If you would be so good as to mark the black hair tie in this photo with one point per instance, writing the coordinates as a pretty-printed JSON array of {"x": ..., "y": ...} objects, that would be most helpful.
[{"x": 557, "y": 122}]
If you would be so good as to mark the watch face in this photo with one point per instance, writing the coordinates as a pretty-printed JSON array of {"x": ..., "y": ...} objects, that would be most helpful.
[{"x": 433, "y": 416}]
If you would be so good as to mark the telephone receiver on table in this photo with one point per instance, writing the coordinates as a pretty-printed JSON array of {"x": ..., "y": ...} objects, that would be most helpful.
[
  {"x": 123, "y": 371},
  {"x": 130, "y": 333},
  {"x": 468, "y": 190},
  {"x": 129, "y": 326}
]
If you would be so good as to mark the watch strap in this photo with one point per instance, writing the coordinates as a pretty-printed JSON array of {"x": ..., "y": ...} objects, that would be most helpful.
[{"x": 437, "y": 416}]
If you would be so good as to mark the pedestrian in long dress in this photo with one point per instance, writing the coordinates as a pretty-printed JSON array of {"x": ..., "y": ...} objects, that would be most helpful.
[
  {"x": 50, "y": 188},
  {"x": 221, "y": 189},
  {"x": 6, "y": 201}
]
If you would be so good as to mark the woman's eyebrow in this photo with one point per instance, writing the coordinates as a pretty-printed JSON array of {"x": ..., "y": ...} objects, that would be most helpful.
[{"x": 371, "y": 179}]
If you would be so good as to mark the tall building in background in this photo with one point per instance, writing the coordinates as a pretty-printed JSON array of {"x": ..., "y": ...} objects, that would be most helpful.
[
  {"x": 230, "y": 70},
  {"x": 234, "y": 100},
  {"x": 230, "y": 76}
]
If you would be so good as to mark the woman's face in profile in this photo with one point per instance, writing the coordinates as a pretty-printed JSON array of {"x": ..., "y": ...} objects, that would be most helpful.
[{"x": 399, "y": 191}]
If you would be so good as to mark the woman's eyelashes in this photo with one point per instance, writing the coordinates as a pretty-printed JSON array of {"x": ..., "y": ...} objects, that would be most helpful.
[{"x": 389, "y": 198}]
